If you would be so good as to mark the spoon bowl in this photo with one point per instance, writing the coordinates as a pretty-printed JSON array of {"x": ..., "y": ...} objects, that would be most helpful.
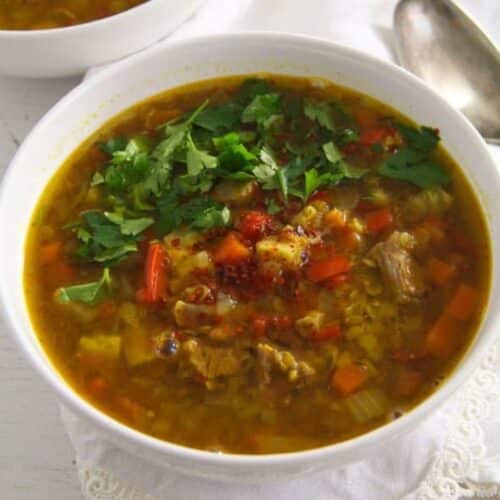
[{"x": 437, "y": 41}]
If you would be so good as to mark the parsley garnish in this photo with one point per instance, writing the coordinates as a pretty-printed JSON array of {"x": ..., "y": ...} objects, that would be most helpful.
[{"x": 88, "y": 293}]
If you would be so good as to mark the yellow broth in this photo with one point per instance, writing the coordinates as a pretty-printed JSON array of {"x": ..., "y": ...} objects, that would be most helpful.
[
  {"x": 304, "y": 351},
  {"x": 49, "y": 14}
]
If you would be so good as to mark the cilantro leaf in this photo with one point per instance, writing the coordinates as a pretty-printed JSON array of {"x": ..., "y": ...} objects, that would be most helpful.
[
  {"x": 413, "y": 162},
  {"x": 332, "y": 153},
  {"x": 112, "y": 145},
  {"x": 262, "y": 108},
  {"x": 198, "y": 213},
  {"x": 197, "y": 159},
  {"x": 108, "y": 237},
  {"x": 219, "y": 118},
  {"x": 425, "y": 139},
  {"x": 344, "y": 170},
  {"x": 312, "y": 182},
  {"x": 320, "y": 112},
  {"x": 235, "y": 157},
  {"x": 88, "y": 293},
  {"x": 251, "y": 88},
  {"x": 272, "y": 206},
  {"x": 424, "y": 174}
]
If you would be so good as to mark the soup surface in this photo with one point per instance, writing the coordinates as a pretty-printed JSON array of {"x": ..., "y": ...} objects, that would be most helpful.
[
  {"x": 257, "y": 265},
  {"x": 49, "y": 14}
]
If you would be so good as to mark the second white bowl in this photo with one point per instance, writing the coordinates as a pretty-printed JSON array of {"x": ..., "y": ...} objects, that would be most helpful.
[{"x": 73, "y": 50}]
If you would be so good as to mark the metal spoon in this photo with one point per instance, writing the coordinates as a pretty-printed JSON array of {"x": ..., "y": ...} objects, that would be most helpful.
[{"x": 441, "y": 44}]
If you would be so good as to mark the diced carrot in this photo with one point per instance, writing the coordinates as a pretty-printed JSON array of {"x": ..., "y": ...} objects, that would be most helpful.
[
  {"x": 260, "y": 324},
  {"x": 319, "y": 271},
  {"x": 231, "y": 251},
  {"x": 463, "y": 303},
  {"x": 50, "y": 252},
  {"x": 440, "y": 272},
  {"x": 375, "y": 135},
  {"x": 349, "y": 378},
  {"x": 379, "y": 220},
  {"x": 441, "y": 340},
  {"x": 351, "y": 240},
  {"x": 98, "y": 387},
  {"x": 155, "y": 275},
  {"x": 328, "y": 332},
  {"x": 282, "y": 321},
  {"x": 407, "y": 383},
  {"x": 336, "y": 219}
]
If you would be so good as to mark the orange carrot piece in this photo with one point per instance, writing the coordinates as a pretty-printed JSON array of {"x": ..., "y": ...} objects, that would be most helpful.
[
  {"x": 50, "y": 252},
  {"x": 348, "y": 379},
  {"x": 336, "y": 219},
  {"x": 231, "y": 251},
  {"x": 328, "y": 332},
  {"x": 441, "y": 340},
  {"x": 463, "y": 303},
  {"x": 319, "y": 271},
  {"x": 155, "y": 275},
  {"x": 439, "y": 271},
  {"x": 379, "y": 220}
]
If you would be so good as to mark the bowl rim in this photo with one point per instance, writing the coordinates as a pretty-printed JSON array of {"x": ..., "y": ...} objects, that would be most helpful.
[
  {"x": 80, "y": 28},
  {"x": 131, "y": 437}
]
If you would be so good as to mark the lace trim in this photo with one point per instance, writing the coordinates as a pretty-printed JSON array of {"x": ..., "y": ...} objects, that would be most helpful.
[
  {"x": 464, "y": 452},
  {"x": 99, "y": 484}
]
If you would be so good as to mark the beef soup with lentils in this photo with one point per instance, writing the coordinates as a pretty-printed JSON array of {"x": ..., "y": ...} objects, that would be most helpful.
[
  {"x": 49, "y": 14},
  {"x": 257, "y": 265}
]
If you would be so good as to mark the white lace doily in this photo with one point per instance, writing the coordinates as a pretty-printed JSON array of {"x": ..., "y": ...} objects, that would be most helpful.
[{"x": 454, "y": 454}]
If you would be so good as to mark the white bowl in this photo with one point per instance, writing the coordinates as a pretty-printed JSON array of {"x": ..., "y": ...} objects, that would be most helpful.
[
  {"x": 96, "y": 100},
  {"x": 73, "y": 50}
]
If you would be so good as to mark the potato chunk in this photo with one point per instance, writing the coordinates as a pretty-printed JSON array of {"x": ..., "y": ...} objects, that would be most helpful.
[{"x": 288, "y": 250}]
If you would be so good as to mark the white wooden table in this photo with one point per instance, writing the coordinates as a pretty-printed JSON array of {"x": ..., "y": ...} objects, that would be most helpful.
[{"x": 36, "y": 459}]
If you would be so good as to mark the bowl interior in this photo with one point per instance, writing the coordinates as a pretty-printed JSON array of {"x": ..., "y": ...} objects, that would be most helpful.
[{"x": 98, "y": 99}]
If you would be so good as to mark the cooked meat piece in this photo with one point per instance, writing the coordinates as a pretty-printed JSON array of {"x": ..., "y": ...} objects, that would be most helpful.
[
  {"x": 212, "y": 362},
  {"x": 399, "y": 269},
  {"x": 270, "y": 358}
]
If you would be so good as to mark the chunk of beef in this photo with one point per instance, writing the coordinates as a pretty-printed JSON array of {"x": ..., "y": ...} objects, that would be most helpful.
[
  {"x": 212, "y": 362},
  {"x": 270, "y": 358},
  {"x": 401, "y": 272}
]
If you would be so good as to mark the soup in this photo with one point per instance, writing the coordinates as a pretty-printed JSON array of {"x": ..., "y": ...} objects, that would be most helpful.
[
  {"x": 49, "y": 14},
  {"x": 257, "y": 265}
]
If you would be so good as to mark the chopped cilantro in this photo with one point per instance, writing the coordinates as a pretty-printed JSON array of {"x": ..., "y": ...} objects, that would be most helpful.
[
  {"x": 413, "y": 162},
  {"x": 88, "y": 293}
]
